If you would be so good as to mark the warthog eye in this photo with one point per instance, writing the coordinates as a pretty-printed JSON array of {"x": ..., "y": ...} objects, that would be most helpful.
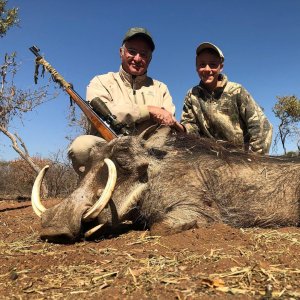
[
  {"x": 157, "y": 153},
  {"x": 142, "y": 172}
]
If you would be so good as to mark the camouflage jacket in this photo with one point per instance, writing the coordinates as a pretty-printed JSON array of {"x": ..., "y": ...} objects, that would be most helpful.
[
  {"x": 127, "y": 97},
  {"x": 228, "y": 113}
]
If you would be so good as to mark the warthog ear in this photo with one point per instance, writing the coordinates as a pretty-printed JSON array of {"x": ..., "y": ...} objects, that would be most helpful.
[{"x": 155, "y": 136}]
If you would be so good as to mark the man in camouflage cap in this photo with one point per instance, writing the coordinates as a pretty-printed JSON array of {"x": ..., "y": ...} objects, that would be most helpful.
[
  {"x": 134, "y": 98},
  {"x": 223, "y": 110}
]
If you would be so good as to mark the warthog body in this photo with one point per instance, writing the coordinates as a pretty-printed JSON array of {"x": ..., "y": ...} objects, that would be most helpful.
[{"x": 178, "y": 182}]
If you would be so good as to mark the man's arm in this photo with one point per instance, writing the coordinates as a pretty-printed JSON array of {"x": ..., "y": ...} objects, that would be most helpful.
[
  {"x": 164, "y": 114},
  {"x": 127, "y": 112},
  {"x": 107, "y": 88},
  {"x": 167, "y": 102}
]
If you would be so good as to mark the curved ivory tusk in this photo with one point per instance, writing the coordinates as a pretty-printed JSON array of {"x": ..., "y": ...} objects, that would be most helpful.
[
  {"x": 96, "y": 209},
  {"x": 93, "y": 230},
  {"x": 131, "y": 200},
  {"x": 37, "y": 205}
]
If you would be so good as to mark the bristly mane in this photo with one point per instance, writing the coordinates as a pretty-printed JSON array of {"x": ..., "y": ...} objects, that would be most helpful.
[{"x": 223, "y": 149}]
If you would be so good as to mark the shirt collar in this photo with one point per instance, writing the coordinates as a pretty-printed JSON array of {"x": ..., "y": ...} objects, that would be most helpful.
[
  {"x": 131, "y": 80},
  {"x": 222, "y": 81}
]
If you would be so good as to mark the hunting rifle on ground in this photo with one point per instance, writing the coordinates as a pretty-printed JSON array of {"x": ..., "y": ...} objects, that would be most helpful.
[{"x": 96, "y": 111}]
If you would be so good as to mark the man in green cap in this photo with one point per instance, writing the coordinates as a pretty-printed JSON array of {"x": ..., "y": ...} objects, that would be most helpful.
[
  {"x": 224, "y": 110},
  {"x": 134, "y": 98}
]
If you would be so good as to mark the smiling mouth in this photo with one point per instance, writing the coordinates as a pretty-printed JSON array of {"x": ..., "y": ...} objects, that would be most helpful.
[
  {"x": 207, "y": 77},
  {"x": 136, "y": 66}
]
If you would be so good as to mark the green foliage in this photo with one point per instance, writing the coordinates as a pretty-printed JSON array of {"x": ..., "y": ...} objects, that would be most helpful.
[
  {"x": 292, "y": 154},
  {"x": 287, "y": 109},
  {"x": 8, "y": 17}
]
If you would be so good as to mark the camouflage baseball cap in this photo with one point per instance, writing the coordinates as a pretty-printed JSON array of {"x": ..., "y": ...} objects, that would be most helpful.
[
  {"x": 139, "y": 31},
  {"x": 208, "y": 45}
]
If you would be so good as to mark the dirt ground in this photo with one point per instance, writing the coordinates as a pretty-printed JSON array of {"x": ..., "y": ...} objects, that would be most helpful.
[{"x": 216, "y": 262}]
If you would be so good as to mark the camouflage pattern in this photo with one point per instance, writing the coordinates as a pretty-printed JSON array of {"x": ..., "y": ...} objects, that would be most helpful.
[
  {"x": 127, "y": 97},
  {"x": 229, "y": 113}
]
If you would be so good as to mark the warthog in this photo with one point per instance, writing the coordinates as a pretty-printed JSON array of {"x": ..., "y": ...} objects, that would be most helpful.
[{"x": 173, "y": 183}]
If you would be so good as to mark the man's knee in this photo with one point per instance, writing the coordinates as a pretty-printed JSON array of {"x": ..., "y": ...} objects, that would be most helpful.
[{"x": 80, "y": 149}]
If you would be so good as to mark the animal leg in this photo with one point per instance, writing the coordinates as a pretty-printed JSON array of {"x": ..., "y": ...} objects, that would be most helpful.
[
  {"x": 164, "y": 227},
  {"x": 182, "y": 219},
  {"x": 174, "y": 222}
]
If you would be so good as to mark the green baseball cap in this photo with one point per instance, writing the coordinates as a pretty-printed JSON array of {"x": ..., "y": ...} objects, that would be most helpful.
[
  {"x": 208, "y": 45},
  {"x": 142, "y": 32}
]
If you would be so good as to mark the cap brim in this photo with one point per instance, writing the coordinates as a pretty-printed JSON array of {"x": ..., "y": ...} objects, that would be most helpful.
[
  {"x": 144, "y": 36},
  {"x": 206, "y": 45}
]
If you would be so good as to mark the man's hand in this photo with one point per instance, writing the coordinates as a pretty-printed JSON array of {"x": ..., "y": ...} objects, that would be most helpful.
[
  {"x": 178, "y": 127},
  {"x": 163, "y": 117}
]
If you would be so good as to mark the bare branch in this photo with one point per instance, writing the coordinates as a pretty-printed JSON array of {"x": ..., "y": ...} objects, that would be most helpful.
[
  {"x": 23, "y": 154},
  {"x": 15, "y": 103},
  {"x": 22, "y": 144}
]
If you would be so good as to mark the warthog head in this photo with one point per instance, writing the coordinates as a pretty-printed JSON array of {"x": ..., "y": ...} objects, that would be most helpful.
[{"x": 116, "y": 178}]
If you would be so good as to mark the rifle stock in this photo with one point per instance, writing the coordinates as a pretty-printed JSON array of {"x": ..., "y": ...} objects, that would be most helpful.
[{"x": 105, "y": 131}]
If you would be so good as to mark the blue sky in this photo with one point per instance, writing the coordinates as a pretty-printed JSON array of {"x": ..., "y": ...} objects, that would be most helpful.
[{"x": 81, "y": 39}]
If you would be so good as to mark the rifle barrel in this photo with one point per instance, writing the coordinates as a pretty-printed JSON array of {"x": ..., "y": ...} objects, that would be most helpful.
[{"x": 105, "y": 131}]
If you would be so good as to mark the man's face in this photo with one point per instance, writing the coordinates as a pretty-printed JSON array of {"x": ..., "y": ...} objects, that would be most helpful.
[
  {"x": 136, "y": 56},
  {"x": 209, "y": 67}
]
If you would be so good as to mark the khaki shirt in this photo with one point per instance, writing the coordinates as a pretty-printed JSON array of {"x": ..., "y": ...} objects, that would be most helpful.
[
  {"x": 127, "y": 97},
  {"x": 229, "y": 113}
]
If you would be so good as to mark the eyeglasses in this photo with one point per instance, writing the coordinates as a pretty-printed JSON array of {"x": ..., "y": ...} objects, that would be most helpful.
[
  {"x": 211, "y": 65},
  {"x": 133, "y": 52}
]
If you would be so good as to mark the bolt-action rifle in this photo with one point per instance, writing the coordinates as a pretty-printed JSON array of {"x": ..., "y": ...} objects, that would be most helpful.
[{"x": 96, "y": 110}]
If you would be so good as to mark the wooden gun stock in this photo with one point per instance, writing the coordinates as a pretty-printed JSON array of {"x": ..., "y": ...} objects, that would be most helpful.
[{"x": 105, "y": 131}]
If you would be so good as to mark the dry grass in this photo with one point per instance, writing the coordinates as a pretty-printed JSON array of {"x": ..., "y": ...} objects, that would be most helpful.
[{"x": 254, "y": 263}]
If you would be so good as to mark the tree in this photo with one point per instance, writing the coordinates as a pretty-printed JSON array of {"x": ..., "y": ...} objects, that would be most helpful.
[
  {"x": 17, "y": 177},
  {"x": 8, "y": 17},
  {"x": 15, "y": 102},
  {"x": 78, "y": 122},
  {"x": 4, "y": 170},
  {"x": 287, "y": 109},
  {"x": 61, "y": 177},
  {"x": 22, "y": 176}
]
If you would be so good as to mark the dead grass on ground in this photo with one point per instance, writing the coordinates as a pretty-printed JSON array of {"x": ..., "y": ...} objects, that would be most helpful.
[{"x": 209, "y": 263}]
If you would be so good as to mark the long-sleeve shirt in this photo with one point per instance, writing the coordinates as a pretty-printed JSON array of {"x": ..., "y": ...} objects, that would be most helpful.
[
  {"x": 127, "y": 97},
  {"x": 228, "y": 113}
]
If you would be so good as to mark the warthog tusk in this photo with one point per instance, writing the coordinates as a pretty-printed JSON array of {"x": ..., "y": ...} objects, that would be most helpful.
[
  {"x": 131, "y": 200},
  {"x": 93, "y": 230},
  {"x": 96, "y": 209},
  {"x": 36, "y": 203}
]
